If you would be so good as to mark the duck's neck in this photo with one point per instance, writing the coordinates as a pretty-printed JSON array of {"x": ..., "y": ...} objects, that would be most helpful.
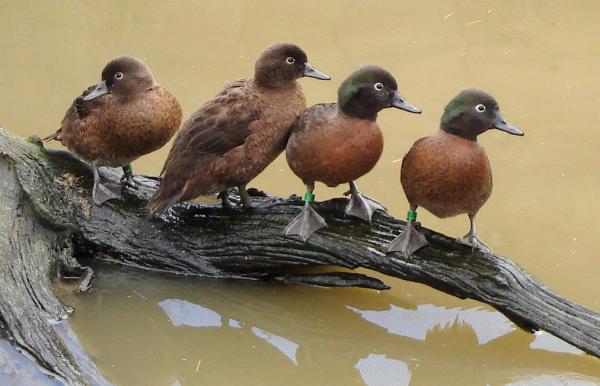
[
  {"x": 354, "y": 108},
  {"x": 458, "y": 131}
]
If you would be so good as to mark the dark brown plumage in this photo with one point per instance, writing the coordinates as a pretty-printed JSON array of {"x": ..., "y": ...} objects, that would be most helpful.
[
  {"x": 234, "y": 136},
  {"x": 338, "y": 143},
  {"x": 125, "y": 116},
  {"x": 449, "y": 173}
]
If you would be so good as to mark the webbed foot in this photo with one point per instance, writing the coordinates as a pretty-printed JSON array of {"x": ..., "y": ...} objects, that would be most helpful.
[
  {"x": 104, "y": 192},
  {"x": 360, "y": 205},
  {"x": 306, "y": 223},
  {"x": 128, "y": 179},
  {"x": 475, "y": 243},
  {"x": 408, "y": 242}
]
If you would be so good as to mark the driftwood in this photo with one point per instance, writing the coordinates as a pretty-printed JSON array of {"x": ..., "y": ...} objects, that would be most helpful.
[{"x": 47, "y": 224}]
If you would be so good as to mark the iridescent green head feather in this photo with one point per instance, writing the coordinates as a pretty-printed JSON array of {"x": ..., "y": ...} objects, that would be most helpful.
[
  {"x": 473, "y": 112},
  {"x": 368, "y": 90}
]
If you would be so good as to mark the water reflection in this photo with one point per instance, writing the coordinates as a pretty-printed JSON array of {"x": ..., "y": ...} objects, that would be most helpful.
[
  {"x": 378, "y": 370},
  {"x": 287, "y": 347},
  {"x": 154, "y": 330},
  {"x": 18, "y": 370},
  {"x": 184, "y": 313},
  {"x": 548, "y": 342},
  {"x": 416, "y": 324}
]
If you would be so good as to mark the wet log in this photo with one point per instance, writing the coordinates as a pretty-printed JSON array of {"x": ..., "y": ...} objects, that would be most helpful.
[{"x": 48, "y": 224}]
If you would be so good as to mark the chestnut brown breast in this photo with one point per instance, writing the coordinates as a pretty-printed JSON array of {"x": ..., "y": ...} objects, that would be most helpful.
[
  {"x": 113, "y": 132},
  {"x": 447, "y": 175},
  {"x": 331, "y": 147}
]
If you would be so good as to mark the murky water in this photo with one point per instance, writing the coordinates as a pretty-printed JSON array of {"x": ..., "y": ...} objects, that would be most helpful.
[{"x": 539, "y": 59}]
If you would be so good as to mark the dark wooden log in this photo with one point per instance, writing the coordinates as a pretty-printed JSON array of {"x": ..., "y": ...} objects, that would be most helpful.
[{"x": 48, "y": 222}]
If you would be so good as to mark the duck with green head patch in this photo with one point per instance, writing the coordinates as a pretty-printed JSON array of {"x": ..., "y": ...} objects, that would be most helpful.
[
  {"x": 122, "y": 118},
  {"x": 449, "y": 173},
  {"x": 338, "y": 143}
]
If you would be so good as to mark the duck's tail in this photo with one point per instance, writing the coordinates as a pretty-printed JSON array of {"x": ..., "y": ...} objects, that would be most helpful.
[
  {"x": 164, "y": 199},
  {"x": 53, "y": 137}
]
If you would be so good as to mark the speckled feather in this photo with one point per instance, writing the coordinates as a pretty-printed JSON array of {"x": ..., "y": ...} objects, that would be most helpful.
[
  {"x": 447, "y": 175},
  {"x": 113, "y": 131},
  {"x": 229, "y": 141},
  {"x": 329, "y": 146}
]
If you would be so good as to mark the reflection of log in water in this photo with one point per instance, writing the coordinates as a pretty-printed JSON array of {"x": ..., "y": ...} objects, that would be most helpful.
[{"x": 47, "y": 219}]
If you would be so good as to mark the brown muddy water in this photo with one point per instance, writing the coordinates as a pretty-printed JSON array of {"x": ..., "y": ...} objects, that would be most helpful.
[{"x": 540, "y": 59}]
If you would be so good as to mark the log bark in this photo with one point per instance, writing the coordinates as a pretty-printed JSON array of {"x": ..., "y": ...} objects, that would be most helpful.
[{"x": 48, "y": 224}]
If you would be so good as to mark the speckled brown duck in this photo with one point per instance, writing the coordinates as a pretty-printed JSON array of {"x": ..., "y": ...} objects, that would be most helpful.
[
  {"x": 234, "y": 136},
  {"x": 338, "y": 143},
  {"x": 118, "y": 120},
  {"x": 448, "y": 173}
]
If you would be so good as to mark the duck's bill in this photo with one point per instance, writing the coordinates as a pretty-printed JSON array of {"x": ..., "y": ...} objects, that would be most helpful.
[
  {"x": 98, "y": 91},
  {"x": 504, "y": 125},
  {"x": 312, "y": 72},
  {"x": 400, "y": 102}
]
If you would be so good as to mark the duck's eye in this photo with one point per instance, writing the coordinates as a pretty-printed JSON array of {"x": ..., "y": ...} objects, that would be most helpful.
[
  {"x": 378, "y": 86},
  {"x": 290, "y": 60},
  {"x": 480, "y": 108},
  {"x": 119, "y": 75}
]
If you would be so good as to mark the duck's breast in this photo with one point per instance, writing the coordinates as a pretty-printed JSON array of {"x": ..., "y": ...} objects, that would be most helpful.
[
  {"x": 117, "y": 131},
  {"x": 447, "y": 175},
  {"x": 333, "y": 148}
]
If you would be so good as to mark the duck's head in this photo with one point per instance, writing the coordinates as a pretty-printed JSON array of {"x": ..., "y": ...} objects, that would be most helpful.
[
  {"x": 368, "y": 90},
  {"x": 473, "y": 112},
  {"x": 283, "y": 63},
  {"x": 122, "y": 77}
]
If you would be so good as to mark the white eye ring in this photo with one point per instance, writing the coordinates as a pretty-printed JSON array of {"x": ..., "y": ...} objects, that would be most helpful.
[
  {"x": 480, "y": 108},
  {"x": 290, "y": 60},
  {"x": 378, "y": 86},
  {"x": 119, "y": 75}
]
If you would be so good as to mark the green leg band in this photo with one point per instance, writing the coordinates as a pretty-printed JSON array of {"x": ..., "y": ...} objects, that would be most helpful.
[
  {"x": 411, "y": 215},
  {"x": 127, "y": 169},
  {"x": 309, "y": 197}
]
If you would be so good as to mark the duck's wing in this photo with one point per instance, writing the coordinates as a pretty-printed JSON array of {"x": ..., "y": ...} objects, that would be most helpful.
[
  {"x": 222, "y": 124},
  {"x": 78, "y": 110},
  {"x": 315, "y": 116}
]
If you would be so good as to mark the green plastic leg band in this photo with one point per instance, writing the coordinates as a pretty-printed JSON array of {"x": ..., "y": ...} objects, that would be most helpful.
[
  {"x": 411, "y": 215},
  {"x": 127, "y": 169},
  {"x": 309, "y": 197}
]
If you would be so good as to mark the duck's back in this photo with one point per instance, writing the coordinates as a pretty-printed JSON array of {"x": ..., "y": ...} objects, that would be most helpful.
[
  {"x": 113, "y": 132},
  {"x": 447, "y": 175},
  {"x": 331, "y": 147}
]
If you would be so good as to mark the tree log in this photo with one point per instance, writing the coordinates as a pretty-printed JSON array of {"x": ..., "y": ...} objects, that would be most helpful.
[{"x": 48, "y": 224}]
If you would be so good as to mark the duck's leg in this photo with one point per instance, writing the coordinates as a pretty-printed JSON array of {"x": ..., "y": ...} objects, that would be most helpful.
[
  {"x": 103, "y": 192},
  {"x": 129, "y": 179},
  {"x": 411, "y": 240},
  {"x": 245, "y": 197},
  {"x": 472, "y": 240},
  {"x": 361, "y": 206},
  {"x": 308, "y": 221}
]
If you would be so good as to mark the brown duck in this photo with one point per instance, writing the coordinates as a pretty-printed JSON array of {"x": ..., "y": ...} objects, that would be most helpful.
[
  {"x": 118, "y": 120},
  {"x": 234, "y": 136},
  {"x": 448, "y": 173},
  {"x": 338, "y": 143}
]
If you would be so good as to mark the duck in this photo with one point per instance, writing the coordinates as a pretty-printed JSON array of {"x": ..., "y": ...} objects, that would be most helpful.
[
  {"x": 448, "y": 173},
  {"x": 125, "y": 116},
  {"x": 337, "y": 143},
  {"x": 238, "y": 133}
]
